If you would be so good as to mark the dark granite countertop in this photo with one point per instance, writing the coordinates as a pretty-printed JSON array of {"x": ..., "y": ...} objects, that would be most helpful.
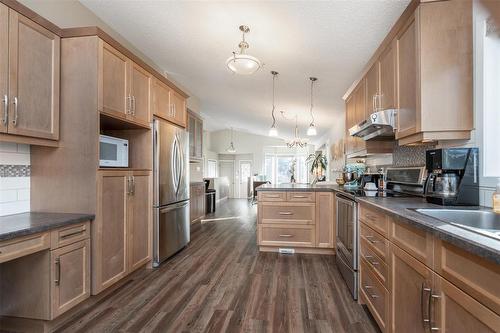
[
  {"x": 17, "y": 225},
  {"x": 403, "y": 210}
]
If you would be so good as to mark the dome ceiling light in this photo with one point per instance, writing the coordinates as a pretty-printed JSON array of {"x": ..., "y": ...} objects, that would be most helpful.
[
  {"x": 273, "y": 131},
  {"x": 311, "y": 131},
  {"x": 241, "y": 63}
]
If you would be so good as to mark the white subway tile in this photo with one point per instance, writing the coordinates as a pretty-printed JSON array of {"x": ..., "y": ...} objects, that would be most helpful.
[
  {"x": 8, "y": 196},
  {"x": 14, "y": 207},
  {"x": 15, "y": 158},
  {"x": 8, "y": 147},
  {"x": 23, "y": 195},
  {"x": 14, "y": 183}
]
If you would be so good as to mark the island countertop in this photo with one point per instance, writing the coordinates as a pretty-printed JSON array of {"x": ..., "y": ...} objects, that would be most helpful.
[
  {"x": 17, "y": 225},
  {"x": 299, "y": 187}
]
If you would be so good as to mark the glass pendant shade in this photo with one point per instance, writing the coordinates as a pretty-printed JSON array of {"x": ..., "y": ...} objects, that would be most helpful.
[
  {"x": 243, "y": 64},
  {"x": 273, "y": 131},
  {"x": 311, "y": 131},
  {"x": 231, "y": 148}
]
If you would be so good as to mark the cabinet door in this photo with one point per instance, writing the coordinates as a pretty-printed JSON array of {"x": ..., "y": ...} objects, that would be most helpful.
[
  {"x": 360, "y": 113},
  {"x": 372, "y": 90},
  {"x": 70, "y": 269},
  {"x": 199, "y": 139},
  {"x": 113, "y": 89},
  {"x": 140, "y": 92},
  {"x": 34, "y": 65},
  {"x": 325, "y": 220},
  {"x": 201, "y": 201},
  {"x": 455, "y": 311},
  {"x": 178, "y": 108},
  {"x": 410, "y": 285},
  {"x": 161, "y": 101},
  {"x": 387, "y": 78},
  {"x": 192, "y": 133},
  {"x": 139, "y": 221},
  {"x": 407, "y": 81},
  {"x": 350, "y": 114},
  {"x": 4, "y": 66},
  {"x": 109, "y": 232}
]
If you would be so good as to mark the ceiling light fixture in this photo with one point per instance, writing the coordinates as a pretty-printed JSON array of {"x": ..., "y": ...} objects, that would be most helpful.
[
  {"x": 273, "y": 131},
  {"x": 296, "y": 141},
  {"x": 241, "y": 63},
  {"x": 311, "y": 131},
  {"x": 231, "y": 148}
]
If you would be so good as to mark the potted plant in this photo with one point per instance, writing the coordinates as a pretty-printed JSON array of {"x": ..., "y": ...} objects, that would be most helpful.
[
  {"x": 291, "y": 170},
  {"x": 318, "y": 165}
]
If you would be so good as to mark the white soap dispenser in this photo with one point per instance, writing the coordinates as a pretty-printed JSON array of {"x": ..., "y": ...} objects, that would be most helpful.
[{"x": 496, "y": 198}]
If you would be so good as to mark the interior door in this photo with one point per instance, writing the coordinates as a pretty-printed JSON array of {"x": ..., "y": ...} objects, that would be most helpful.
[
  {"x": 226, "y": 170},
  {"x": 114, "y": 97},
  {"x": 140, "y": 92},
  {"x": 34, "y": 65},
  {"x": 4, "y": 67},
  {"x": 139, "y": 217},
  {"x": 245, "y": 174}
]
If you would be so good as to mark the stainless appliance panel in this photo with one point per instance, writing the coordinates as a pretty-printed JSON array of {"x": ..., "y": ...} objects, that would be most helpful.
[
  {"x": 349, "y": 275},
  {"x": 171, "y": 232},
  {"x": 171, "y": 162}
]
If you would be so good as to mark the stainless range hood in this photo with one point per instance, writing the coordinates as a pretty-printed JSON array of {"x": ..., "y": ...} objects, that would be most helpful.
[{"x": 379, "y": 125}]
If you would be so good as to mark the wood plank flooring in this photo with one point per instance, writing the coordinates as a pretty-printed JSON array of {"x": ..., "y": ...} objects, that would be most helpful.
[{"x": 221, "y": 283}]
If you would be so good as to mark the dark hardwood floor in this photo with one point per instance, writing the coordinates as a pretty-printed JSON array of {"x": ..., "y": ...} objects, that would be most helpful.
[{"x": 221, "y": 283}]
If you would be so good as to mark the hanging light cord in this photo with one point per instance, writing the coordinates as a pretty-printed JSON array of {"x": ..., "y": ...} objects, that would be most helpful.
[
  {"x": 272, "y": 112},
  {"x": 312, "y": 105}
]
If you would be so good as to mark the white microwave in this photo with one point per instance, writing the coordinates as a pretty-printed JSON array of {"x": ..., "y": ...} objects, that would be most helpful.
[{"x": 113, "y": 152}]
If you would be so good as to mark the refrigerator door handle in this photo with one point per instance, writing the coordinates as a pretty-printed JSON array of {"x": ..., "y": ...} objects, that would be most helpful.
[
  {"x": 174, "y": 165},
  {"x": 180, "y": 172},
  {"x": 174, "y": 207}
]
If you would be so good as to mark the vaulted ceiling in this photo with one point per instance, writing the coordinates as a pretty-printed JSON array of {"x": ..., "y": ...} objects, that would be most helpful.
[{"x": 191, "y": 41}]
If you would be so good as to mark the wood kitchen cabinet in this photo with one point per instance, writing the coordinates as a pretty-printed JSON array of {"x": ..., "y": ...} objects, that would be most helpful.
[
  {"x": 195, "y": 128},
  {"x": 168, "y": 104},
  {"x": 196, "y": 201},
  {"x": 372, "y": 90},
  {"x": 29, "y": 80},
  {"x": 325, "y": 220},
  {"x": 121, "y": 232},
  {"x": 387, "y": 67},
  {"x": 124, "y": 86}
]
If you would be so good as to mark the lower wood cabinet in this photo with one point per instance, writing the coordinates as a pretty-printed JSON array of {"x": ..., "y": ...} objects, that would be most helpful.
[
  {"x": 325, "y": 220},
  {"x": 196, "y": 201},
  {"x": 121, "y": 240}
]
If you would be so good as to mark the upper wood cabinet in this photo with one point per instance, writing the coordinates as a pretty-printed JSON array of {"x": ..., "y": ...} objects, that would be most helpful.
[
  {"x": 29, "y": 79},
  {"x": 195, "y": 128},
  {"x": 124, "y": 86},
  {"x": 372, "y": 89},
  {"x": 169, "y": 104},
  {"x": 387, "y": 65}
]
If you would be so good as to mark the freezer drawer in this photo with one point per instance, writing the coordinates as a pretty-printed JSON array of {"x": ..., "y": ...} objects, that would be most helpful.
[{"x": 171, "y": 230}]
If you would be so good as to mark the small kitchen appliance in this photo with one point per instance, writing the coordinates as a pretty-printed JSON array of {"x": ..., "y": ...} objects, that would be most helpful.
[
  {"x": 113, "y": 152},
  {"x": 352, "y": 174},
  {"x": 452, "y": 176}
]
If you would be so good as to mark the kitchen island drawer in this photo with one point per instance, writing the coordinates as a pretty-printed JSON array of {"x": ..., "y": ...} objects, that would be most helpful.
[
  {"x": 375, "y": 296},
  {"x": 300, "y": 196},
  {"x": 298, "y": 213},
  {"x": 271, "y": 196},
  {"x": 68, "y": 235},
  {"x": 375, "y": 219},
  {"x": 378, "y": 244},
  {"x": 286, "y": 235},
  {"x": 377, "y": 264},
  {"x": 23, "y": 246}
]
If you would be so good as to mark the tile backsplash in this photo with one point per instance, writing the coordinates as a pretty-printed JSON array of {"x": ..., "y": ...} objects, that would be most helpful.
[
  {"x": 410, "y": 156},
  {"x": 15, "y": 170}
]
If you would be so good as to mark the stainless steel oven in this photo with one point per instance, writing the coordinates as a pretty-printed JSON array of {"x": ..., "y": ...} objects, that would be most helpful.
[{"x": 347, "y": 241}]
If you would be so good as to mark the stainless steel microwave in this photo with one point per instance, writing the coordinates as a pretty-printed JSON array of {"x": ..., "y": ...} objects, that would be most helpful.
[{"x": 113, "y": 152}]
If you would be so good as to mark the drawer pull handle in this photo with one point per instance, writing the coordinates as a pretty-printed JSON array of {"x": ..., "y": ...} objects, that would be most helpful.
[
  {"x": 57, "y": 281},
  {"x": 73, "y": 234},
  {"x": 370, "y": 217},
  {"x": 300, "y": 196},
  {"x": 374, "y": 296},
  {"x": 286, "y": 235},
  {"x": 371, "y": 240},
  {"x": 286, "y": 213},
  {"x": 272, "y": 196},
  {"x": 368, "y": 287}
]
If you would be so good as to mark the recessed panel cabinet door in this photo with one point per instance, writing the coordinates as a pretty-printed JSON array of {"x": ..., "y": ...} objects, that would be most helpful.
[
  {"x": 161, "y": 101},
  {"x": 140, "y": 92},
  {"x": 372, "y": 90},
  {"x": 71, "y": 276},
  {"x": 4, "y": 69},
  {"x": 113, "y": 93},
  {"x": 325, "y": 220},
  {"x": 387, "y": 78},
  {"x": 110, "y": 234},
  {"x": 139, "y": 213},
  {"x": 179, "y": 108},
  {"x": 34, "y": 65},
  {"x": 411, "y": 283}
]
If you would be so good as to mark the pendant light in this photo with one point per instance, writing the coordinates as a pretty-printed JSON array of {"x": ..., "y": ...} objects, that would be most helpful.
[
  {"x": 241, "y": 63},
  {"x": 231, "y": 148},
  {"x": 273, "y": 131},
  {"x": 311, "y": 131},
  {"x": 296, "y": 141}
]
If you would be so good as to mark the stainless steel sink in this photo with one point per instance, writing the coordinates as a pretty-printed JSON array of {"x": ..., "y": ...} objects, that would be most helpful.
[{"x": 481, "y": 221}]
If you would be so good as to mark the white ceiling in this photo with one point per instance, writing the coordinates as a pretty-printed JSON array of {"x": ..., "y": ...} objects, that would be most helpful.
[{"x": 191, "y": 41}]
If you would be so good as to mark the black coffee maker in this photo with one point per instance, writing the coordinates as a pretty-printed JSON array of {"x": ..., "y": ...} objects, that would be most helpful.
[{"x": 453, "y": 178}]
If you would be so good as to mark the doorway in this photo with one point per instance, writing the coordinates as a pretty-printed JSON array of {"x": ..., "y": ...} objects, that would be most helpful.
[
  {"x": 245, "y": 171},
  {"x": 226, "y": 170}
]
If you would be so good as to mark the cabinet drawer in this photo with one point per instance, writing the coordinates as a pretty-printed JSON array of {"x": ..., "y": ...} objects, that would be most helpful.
[
  {"x": 300, "y": 196},
  {"x": 413, "y": 240},
  {"x": 302, "y": 213},
  {"x": 271, "y": 196},
  {"x": 23, "y": 246},
  {"x": 286, "y": 235},
  {"x": 375, "y": 219},
  {"x": 375, "y": 296},
  {"x": 69, "y": 235},
  {"x": 378, "y": 244},
  {"x": 378, "y": 265}
]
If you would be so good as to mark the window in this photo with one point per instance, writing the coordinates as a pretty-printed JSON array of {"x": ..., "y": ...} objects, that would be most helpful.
[
  {"x": 277, "y": 167},
  {"x": 211, "y": 169}
]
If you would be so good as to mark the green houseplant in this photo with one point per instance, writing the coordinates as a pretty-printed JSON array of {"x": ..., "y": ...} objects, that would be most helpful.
[{"x": 318, "y": 164}]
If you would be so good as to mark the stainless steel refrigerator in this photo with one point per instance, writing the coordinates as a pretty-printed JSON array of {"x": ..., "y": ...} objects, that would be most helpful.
[{"x": 171, "y": 190}]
